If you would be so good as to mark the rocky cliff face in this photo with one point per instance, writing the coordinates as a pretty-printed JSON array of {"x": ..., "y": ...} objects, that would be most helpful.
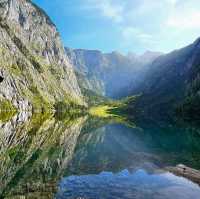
[
  {"x": 34, "y": 69},
  {"x": 108, "y": 74}
]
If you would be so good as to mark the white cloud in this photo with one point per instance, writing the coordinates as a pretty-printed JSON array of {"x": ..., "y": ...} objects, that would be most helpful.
[
  {"x": 128, "y": 32},
  {"x": 185, "y": 20},
  {"x": 172, "y": 2},
  {"x": 132, "y": 33},
  {"x": 108, "y": 8},
  {"x": 185, "y": 15},
  {"x": 147, "y": 22}
]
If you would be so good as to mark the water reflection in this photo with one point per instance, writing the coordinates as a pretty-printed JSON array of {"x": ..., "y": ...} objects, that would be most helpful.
[
  {"x": 115, "y": 147},
  {"x": 46, "y": 157},
  {"x": 34, "y": 154},
  {"x": 127, "y": 185}
]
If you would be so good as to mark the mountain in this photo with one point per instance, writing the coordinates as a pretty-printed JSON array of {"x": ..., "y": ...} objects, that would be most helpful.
[
  {"x": 34, "y": 70},
  {"x": 173, "y": 83},
  {"x": 108, "y": 73},
  {"x": 146, "y": 58}
]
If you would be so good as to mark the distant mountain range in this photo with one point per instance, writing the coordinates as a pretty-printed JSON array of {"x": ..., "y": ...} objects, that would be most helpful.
[
  {"x": 109, "y": 73},
  {"x": 168, "y": 83}
]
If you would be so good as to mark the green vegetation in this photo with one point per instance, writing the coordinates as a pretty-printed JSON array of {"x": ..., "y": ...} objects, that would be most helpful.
[
  {"x": 93, "y": 99},
  {"x": 38, "y": 101},
  {"x": 119, "y": 111},
  {"x": 124, "y": 106},
  {"x": 6, "y": 105},
  {"x": 6, "y": 115},
  {"x": 7, "y": 110},
  {"x": 14, "y": 69},
  {"x": 101, "y": 111},
  {"x": 190, "y": 108},
  {"x": 68, "y": 109}
]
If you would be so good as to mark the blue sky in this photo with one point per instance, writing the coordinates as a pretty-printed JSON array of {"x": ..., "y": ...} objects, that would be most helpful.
[{"x": 125, "y": 25}]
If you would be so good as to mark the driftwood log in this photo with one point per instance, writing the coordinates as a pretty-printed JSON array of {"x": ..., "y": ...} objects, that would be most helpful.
[{"x": 186, "y": 172}]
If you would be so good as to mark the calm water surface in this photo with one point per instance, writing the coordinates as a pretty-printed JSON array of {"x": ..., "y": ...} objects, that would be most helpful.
[{"x": 89, "y": 158}]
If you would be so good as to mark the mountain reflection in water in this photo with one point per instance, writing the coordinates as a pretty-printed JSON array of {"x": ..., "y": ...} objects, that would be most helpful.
[{"x": 82, "y": 157}]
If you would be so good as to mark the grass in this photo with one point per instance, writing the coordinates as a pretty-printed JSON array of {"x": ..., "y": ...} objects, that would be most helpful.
[
  {"x": 108, "y": 112},
  {"x": 116, "y": 110},
  {"x": 6, "y": 115},
  {"x": 103, "y": 111},
  {"x": 7, "y": 110},
  {"x": 6, "y": 105},
  {"x": 14, "y": 69},
  {"x": 113, "y": 108}
]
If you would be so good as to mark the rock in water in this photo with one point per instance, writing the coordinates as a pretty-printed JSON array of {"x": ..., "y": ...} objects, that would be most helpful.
[
  {"x": 187, "y": 172},
  {"x": 36, "y": 72}
]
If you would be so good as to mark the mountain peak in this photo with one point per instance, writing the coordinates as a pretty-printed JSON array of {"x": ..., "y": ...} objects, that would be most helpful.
[
  {"x": 116, "y": 53},
  {"x": 132, "y": 55},
  {"x": 151, "y": 53}
]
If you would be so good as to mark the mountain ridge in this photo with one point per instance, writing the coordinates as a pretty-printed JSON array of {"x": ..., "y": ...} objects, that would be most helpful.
[
  {"x": 106, "y": 73},
  {"x": 165, "y": 88},
  {"x": 35, "y": 70}
]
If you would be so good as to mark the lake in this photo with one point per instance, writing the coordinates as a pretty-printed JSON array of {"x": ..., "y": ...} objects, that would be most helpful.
[{"x": 42, "y": 156}]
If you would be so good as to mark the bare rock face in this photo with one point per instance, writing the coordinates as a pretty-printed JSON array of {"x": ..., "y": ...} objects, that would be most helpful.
[{"x": 33, "y": 64}]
